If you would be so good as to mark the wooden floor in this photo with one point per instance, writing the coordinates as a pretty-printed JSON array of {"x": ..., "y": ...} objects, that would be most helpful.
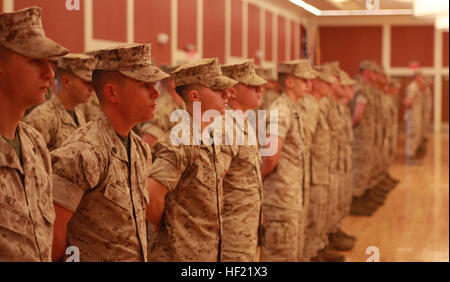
[{"x": 413, "y": 224}]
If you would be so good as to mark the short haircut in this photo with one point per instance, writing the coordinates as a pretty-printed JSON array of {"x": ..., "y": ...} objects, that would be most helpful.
[
  {"x": 59, "y": 74},
  {"x": 282, "y": 77},
  {"x": 184, "y": 90},
  {"x": 101, "y": 77}
]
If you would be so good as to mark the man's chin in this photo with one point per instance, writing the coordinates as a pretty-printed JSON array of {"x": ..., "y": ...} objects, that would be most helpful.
[{"x": 39, "y": 99}]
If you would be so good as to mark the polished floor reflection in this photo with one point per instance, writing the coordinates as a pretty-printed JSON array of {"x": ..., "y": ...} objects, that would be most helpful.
[{"x": 413, "y": 224}]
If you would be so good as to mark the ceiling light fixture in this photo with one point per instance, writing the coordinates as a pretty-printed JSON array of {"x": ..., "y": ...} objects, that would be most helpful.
[
  {"x": 313, "y": 10},
  {"x": 307, "y": 7},
  {"x": 383, "y": 12}
]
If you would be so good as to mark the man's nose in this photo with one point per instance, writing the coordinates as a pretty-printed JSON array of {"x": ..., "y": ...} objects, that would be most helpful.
[{"x": 47, "y": 70}]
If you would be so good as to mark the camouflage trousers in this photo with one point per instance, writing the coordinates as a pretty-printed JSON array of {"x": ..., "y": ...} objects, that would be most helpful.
[
  {"x": 362, "y": 170},
  {"x": 304, "y": 220},
  {"x": 345, "y": 193},
  {"x": 377, "y": 167},
  {"x": 316, "y": 238},
  {"x": 283, "y": 230},
  {"x": 413, "y": 133},
  {"x": 333, "y": 213},
  {"x": 240, "y": 235}
]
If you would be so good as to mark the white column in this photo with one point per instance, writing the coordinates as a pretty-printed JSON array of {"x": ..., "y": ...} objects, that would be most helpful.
[
  {"x": 386, "y": 49},
  {"x": 173, "y": 30},
  {"x": 227, "y": 31},
  {"x": 200, "y": 28},
  {"x": 130, "y": 21},
  {"x": 438, "y": 80},
  {"x": 8, "y": 6},
  {"x": 88, "y": 24}
]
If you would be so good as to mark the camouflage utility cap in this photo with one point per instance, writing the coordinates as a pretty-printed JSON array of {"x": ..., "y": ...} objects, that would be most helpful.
[
  {"x": 244, "y": 73},
  {"x": 346, "y": 80},
  {"x": 325, "y": 74},
  {"x": 79, "y": 64},
  {"x": 380, "y": 69},
  {"x": 299, "y": 68},
  {"x": 205, "y": 72},
  {"x": 132, "y": 60},
  {"x": 22, "y": 32},
  {"x": 334, "y": 68},
  {"x": 266, "y": 73},
  {"x": 369, "y": 65},
  {"x": 167, "y": 68}
]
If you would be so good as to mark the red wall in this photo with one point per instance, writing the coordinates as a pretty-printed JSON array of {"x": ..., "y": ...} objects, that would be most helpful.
[
  {"x": 281, "y": 39},
  {"x": 187, "y": 23},
  {"x": 351, "y": 45},
  {"x": 63, "y": 26},
  {"x": 253, "y": 31},
  {"x": 445, "y": 49},
  {"x": 412, "y": 43},
  {"x": 214, "y": 29},
  {"x": 152, "y": 17},
  {"x": 110, "y": 20},
  {"x": 269, "y": 35},
  {"x": 236, "y": 28}
]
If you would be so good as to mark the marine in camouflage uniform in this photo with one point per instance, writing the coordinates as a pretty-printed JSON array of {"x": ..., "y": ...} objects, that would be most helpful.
[
  {"x": 52, "y": 119},
  {"x": 414, "y": 116},
  {"x": 191, "y": 175},
  {"x": 346, "y": 165},
  {"x": 242, "y": 185},
  {"x": 284, "y": 188},
  {"x": 392, "y": 133},
  {"x": 316, "y": 237},
  {"x": 270, "y": 88},
  {"x": 336, "y": 127},
  {"x": 101, "y": 179},
  {"x": 390, "y": 114},
  {"x": 377, "y": 170},
  {"x": 427, "y": 112},
  {"x": 364, "y": 134},
  {"x": 26, "y": 211},
  {"x": 309, "y": 114}
]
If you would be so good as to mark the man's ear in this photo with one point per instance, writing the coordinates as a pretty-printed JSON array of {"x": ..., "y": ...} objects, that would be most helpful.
[
  {"x": 233, "y": 93},
  {"x": 289, "y": 82},
  {"x": 66, "y": 81},
  {"x": 110, "y": 92},
  {"x": 193, "y": 96}
]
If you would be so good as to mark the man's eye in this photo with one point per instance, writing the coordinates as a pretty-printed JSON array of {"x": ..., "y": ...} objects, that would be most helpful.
[{"x": 145, "y": 85}]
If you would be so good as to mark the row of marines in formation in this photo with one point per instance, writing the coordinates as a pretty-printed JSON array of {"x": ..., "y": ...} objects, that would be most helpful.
[{"x": 76, "y": 172}]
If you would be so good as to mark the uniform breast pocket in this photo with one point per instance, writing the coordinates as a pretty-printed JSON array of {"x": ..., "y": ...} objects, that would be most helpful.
[
  {"x": 118, "y": 195},
  {"x": 47, "y": 210},
  {"x": 206, "y": 176},
  {"x": 13, "y": 216}
]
